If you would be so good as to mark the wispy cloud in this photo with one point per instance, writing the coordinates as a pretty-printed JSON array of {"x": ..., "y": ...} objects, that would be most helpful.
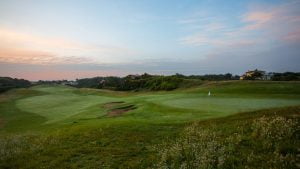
[
  {"x": 20, "y": 47},
  {"x": 277, "y": 21},
  {"x": 118, "y": 38},
  {"x": 263, "y": 36},
  {"x": 281, "y": 22},
  {"x": 20, "y": 39},
  {"x": 257, "y": 19},
  {"x": 292, "y": 36},
  {"x": 16, "y": 55}
]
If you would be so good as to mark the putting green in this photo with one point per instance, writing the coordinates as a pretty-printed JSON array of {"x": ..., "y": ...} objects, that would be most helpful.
[{"x": 227, "y": 105}]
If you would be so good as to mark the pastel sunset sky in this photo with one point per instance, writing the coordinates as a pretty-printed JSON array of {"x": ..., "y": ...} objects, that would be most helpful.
[{"x": 69, "y": 39}]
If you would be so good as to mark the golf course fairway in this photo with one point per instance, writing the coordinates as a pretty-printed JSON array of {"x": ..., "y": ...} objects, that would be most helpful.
[{"x": 89, "y": 128}]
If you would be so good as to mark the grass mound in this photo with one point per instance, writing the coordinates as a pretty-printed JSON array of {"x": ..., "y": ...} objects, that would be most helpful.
[{"x": 266, "y": 141}]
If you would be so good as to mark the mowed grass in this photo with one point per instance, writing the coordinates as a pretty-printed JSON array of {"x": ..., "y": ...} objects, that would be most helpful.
[
  {"x": 60, "y": 103},
  {"x": 64, "y": 127},
  {"x": 56, "y": 107},
  {"x": 223, "y": 106}
]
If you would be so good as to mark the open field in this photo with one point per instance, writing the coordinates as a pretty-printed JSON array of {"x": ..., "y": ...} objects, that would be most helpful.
[{"x": 65, "y": 127}]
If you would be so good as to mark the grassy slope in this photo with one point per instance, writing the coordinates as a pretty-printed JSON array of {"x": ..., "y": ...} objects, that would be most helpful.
[
  {"x": 61, "y": 104},
  {"x": 262, "y": 139},
  {"x": 71, "y": 125}
]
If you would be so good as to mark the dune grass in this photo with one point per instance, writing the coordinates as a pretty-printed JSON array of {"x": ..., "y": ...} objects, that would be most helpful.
[{"x": 262, "y": 139}]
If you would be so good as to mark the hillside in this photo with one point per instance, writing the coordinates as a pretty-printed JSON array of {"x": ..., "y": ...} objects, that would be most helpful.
[{"x": 91, "y": 128}]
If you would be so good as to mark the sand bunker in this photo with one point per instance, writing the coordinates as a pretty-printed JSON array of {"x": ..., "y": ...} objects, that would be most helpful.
[{"x": 118, "y": 108}]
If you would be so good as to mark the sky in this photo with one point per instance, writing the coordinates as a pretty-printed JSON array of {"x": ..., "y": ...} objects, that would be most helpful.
[{"x": 64, "y": 39}]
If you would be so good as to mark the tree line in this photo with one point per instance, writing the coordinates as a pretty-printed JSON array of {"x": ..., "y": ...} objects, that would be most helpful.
[
  {"x": 149, "y": 82},
  {"x": 145, "y": 81},
  {"x": 7, "y": 83},
  {"x": 161, "y": 82},
  {"x": 287, "y": 76}
]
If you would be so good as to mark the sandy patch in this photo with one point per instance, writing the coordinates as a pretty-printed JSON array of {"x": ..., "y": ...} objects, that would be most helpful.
[{"x": 112, "y": 112}]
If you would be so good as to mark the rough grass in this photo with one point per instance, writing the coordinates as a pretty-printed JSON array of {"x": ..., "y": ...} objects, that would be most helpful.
[{"x": 268, "y": 139}]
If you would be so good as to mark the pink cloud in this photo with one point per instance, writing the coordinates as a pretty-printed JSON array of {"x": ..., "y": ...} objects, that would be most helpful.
[
  {"x": 18, "y": 55},
  {"x": 11, "y": 55},
  {"x": 278, "y": 20},
  {"x": 257, "y": 19},
  {"x": 20, "y": 47},
  {"x": 292, "y": 36},
  {"x": 262, "y": 24},
  {"x": 21, "y": 39},
  {"x": 63, "y": 74}
]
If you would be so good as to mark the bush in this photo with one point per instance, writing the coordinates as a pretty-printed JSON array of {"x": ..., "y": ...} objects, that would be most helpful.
[
  {"x": 267, "y": 143},
  {"x": 7, "y": 83},
  {"x": 149, "y": 82},
  {"x": 287, "y": 76}
]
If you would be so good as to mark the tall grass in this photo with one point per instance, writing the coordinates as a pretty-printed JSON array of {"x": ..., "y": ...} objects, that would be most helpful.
[
  {"x": 16, "y": 147},
  {"x": 268, "y": 142}
]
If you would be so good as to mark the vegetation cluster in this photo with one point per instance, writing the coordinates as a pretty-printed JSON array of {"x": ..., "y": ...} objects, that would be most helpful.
[
  {"x": 272, "y": 139},
  {"x": 160, "y": 82},
  {"x": 7, "y": 83},
  {"x": 287, "y": 76},
  {"x": 150, "y": 82}
]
